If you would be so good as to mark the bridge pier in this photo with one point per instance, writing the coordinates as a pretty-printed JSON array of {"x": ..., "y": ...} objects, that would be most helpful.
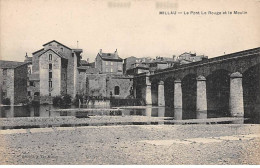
[
  {"x": 148, "y": 90},
  {"x": 236, "y": 95},
  {"x": 161, "y": 99},
  {"x": 201, "y": 102},
  {"x": 177, "y": 100}
]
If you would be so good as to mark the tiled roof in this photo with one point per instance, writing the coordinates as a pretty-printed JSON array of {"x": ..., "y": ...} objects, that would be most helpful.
[
  {"x": 110, "y": 56},
  {"x": 10, "y": 64}
]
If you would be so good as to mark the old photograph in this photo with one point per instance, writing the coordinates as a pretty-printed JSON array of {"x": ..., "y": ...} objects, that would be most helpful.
[{"x": 129, "y": 82}]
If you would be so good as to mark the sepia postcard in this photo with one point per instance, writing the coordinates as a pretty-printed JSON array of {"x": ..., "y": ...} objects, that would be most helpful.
[{"x": 129, "y": 82}]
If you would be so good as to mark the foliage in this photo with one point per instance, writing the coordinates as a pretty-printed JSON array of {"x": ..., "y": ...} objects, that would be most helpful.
[
  {"x": 62, "y": 101},
  {"x": 66, "y": 100},
  {"x": 56, "y": 101},
  {"x": 6, "y": 101},
  {"x": 77, "y": 98}
]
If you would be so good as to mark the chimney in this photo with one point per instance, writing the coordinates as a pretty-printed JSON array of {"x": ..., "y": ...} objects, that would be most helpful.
[
  {"x": 116, "y": 54},
  {"x": 100, "y": 52},
  {"x": 174, "y": 57},
  {"x": 26, "y": 56}
]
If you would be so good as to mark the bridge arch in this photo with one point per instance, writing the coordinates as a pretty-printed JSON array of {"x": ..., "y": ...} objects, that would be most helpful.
[
  {"x": 169, "y": 91},
  {"x": 218, "y": 93},
  {"x": 154, "y": 91},
  {"x": 189, "y": 93},
  {"x": 251, "y": 93}
]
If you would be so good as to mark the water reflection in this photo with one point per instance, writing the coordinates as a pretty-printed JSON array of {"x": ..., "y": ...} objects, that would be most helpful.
[
  {"x": 149, "y": 111},
  {"x": 201, "y": 115},
  {"x": 178, "y": 113}
]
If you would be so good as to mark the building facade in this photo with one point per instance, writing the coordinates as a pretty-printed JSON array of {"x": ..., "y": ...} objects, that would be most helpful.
[
  {"x": 54, "y": 71},
  {"x": 109, "y": 63},
  {"x": 13, "y": 81}
]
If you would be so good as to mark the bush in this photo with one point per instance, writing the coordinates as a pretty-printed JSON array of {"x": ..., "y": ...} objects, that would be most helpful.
[
  {"x": 77, "y": 98},
  {"x": 66, "y": 100},
  {"x": 6, "y": 101},
  {"x": 57, "y": 101},
  {"x": 62, "y": 101}
]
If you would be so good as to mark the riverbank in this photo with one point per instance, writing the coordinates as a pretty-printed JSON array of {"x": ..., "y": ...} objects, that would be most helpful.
[
  {"x": 20, "y": 122},
  {"x": 144, "y": 144}
]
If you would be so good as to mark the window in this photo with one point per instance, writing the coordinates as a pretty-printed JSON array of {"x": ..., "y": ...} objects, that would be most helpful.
[
  {"x": 111, "y": 69},
  {"x": 50, "y": 75},
  {"x": 61, "y": 49},
  {"x": 4, "y": 94},
  {"x": 31, "y": 83},
  {"x": 50, "y": 66},
  {"x": 49, "y": 93},
  {"x": 106, "y": 62},
  {"x": 50, "y": 84},
  {"x": 28, "y": 93},
  {"x": 50, "y": 57},
  {"x": 107, "y": 70},
  {"x": 111, "y": 63},
  {"x": 116, "y": 91}
]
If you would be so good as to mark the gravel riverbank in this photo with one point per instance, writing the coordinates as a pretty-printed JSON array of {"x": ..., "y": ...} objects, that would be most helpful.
[{"x": 145, "y": 144}]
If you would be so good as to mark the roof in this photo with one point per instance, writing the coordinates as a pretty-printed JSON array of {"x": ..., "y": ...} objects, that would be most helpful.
[
  {"x": 186, "y": 53},
  {"x": 110, "y": 57},
  {"x": 58, "y": 53},
  {"x": 56, "y": 42},
  {"x": 28, "y": 59},
  {"x": 92, "y": 71},
  {"x": 38, "y": 51},
  {"x": 10, "y": 64},
  {"x": 84, "y": 67},
  {"x": 83, "y": 62},
  {"x": 34, "y": 77}
]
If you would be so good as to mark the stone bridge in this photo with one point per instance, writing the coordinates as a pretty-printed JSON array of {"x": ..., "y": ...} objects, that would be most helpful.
[{"x": 227, "y": 85}]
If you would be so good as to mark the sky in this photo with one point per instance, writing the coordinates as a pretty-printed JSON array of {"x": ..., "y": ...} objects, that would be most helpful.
[{"x": 134, "y": 27}]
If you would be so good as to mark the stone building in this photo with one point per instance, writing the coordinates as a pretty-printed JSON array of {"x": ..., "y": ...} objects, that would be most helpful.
[
  {"x": 94, "y": 83},
  {"x": 109, "y": 63},
  {"x": 54, "y": 71},
  {"x": 13, "y": 81},
  {"x": 133, "y": 65},
  {"x": 186, "y": 58}
]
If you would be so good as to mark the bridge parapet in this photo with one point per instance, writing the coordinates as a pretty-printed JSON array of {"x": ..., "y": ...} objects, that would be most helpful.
[{"x": 244, "y": 53}]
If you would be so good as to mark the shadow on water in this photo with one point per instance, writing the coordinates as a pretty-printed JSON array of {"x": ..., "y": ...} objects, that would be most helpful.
[{"x": 46, "y": 111}]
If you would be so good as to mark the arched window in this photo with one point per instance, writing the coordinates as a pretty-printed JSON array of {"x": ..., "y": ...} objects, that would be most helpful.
[
  {"x": 116, "y": 90},
  {"x": 50, "y": 57}
]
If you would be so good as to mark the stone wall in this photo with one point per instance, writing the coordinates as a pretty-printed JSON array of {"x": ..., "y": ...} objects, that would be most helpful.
[
  {"x": 9, "y": 84},
  {"x": 64, "y": 65},
  {"x": 96, "y": 85},
  {"x": 1, "y": 85},
  {"x": 44, "y": 74},
  {"x": 81, "y": 84},
  {"x": 125, "y": 86},
  {"x": 20, "y": 84},
  {"x": 98, "y": 63}
]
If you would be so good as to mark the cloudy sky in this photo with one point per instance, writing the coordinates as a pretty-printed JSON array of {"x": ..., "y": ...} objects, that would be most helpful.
[{"x": 133, "y": 27}]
